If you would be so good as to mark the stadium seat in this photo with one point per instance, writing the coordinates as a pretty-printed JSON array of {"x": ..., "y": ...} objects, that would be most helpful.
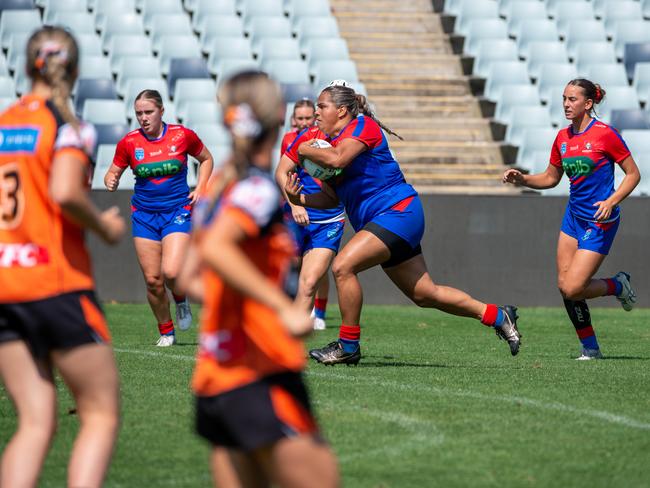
[
  {"x": 161, "y": 25},
  {"x": 121, "y": 24},
  {"x": 645, "y": 7},
  {"x": 206, "y": 8},
  {"x": 104, "y": 89},
  {"x": 316, "y": 49},
  {"x": 292, "y": 92},
  {"x": 635, "y": 53},
  {"x": 629, "y": 31},
  {"x": 89, "y": 44},
  {"x": 103, "y": 161},
  {"x": 479, "y": 9},
  {"x": 229, "y": 48},
  {"x": 151, "y": 8},
  {"x": 593, "y": 52},
  {"x": 288, "y": 71},
  {"x": 315, "y": 27},
  {"x": 614, "y": 12},
  {"x": 629, "y": 119},
  {"x": 535, "y": 139},
  {"x": 213, "y": 134},
  {"x": 113, "y": 8},
  {"x": 23, "y": 82},
  {"x": 177, "y": 47},
  {"x": 492, "y": 50},
  {"x": 641, "y": 81},
  {"x": 481, "y": 30},
  {"x": 542, "y": 53},
  {"x": 265, "y": 27},
  {"x": 617, "y": 97},
  {"x": 513, "y": 95},
  {"x": 328, "y": 70},
  {"x": 136, "y": 85},
  {"x": 16, "y": 4},
  {"x": 505, "y": 5},
  {"x": 454, "y": 7},
  {"x": 608, "y": 75},
  {"x": 313, "y": 8},
  {"x": 4, "y": 71},
  {"x": 183, "y": 68},
  {"x": 554, "y": 7},
  {"x": 189, "y": 89},
  {"x": 525, "y": 117},
  {"x": 552, "y": 75},
  {"x": 6, "y": 102},
  {"x": 224, "y": 68},
  {"x": 104, "y": 111},
  {"x": 542, "y": 30},
  {"x": 535, "y": 161},
  {"x": 277, "y": 49},
  {"x": 202, "y": 112},
  {"x": 124, "y": 46},
  {"x": 136, "y": 67},
  {"x": 583, "y": 30},
  {"x": 219, "y": 26},
  {"x": 260, "y": 8},
  {"x": 523, "y": 10},
  {"x": 110, "y": 133},
  {"x": 95, "y": 67},
  {"x": 50, "y": 10},
  {"x": 570, "y": 11},
  {"x": 503, "y": 73},
  {"x": 7, "y": 87},
  {"x": 18, "y": 21},
  {"x": 76, "y": 22},
  {"x": 220, "y": 154},
  {"x": 16, "y": 48},
  {"x": 637, "y": 140},
  {"x": 556, "y": 104}
]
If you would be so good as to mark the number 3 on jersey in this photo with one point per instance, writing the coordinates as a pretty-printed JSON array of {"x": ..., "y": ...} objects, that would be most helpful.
[{"x": 11, "y": 196}]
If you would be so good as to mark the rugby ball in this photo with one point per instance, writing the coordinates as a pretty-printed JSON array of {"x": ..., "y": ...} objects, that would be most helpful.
[{"x": 316, "y": 170}]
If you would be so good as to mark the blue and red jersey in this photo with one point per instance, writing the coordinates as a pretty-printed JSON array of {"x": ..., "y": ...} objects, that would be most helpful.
[
  {"x": 311, "y": 184},
  {"x": 373, "y": 182},
  {"x": 159, "y": 166},
  {"x": 588, "y": 160}
]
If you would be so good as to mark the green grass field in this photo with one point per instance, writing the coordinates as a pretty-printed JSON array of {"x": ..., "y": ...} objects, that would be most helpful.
[{"x": 436, "y": 401}]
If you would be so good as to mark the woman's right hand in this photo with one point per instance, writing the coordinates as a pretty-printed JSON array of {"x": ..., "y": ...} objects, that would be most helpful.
[
  {"x": 296, "y": 320},
  {"x": 111, "y": 181},
  {"x": 293, "y": 187},
  {"x": 112, "y": 225},
  {"x": 513, "y": 176},
  {"x": 300, "y": 215}
]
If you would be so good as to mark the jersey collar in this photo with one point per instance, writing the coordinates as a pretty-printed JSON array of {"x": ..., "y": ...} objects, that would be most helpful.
[
  {"x": 593, "y": 121},
  {"x": 157, "y": 138}
]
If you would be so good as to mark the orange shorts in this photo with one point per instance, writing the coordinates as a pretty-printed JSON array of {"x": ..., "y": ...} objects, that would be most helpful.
[
  {"x": 59, "y": 322},
  {"x": 258, "y": 414}
]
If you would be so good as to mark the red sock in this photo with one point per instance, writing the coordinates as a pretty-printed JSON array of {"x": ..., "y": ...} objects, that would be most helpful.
[
  {"x": 320, "y": 304},
  {"x": 166, "y": 328},
  {"x": 350, "y": 332},
  {"x": 490, "y": 315}
]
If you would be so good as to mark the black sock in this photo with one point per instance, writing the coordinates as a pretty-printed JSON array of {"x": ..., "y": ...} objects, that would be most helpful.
[{"x": 581, "y": 319}]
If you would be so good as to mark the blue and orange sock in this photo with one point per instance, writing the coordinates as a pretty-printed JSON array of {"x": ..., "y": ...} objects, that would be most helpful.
[
  {"x": 320, "y": 305},
  {"x": 493, "y": 316},
  {"x": 178, "y": 298},
  {"x": 614, "y": 287},
  {"x": 349, "y": 336},
  {"x": 166, "y": 328}
]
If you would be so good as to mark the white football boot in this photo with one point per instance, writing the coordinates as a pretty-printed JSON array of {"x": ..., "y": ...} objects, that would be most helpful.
[
  {"x": 166, "y": 340},
  {"x": 627, "y": 297},
  {"x": 184, "y": 314},
  {"x": 589, "y": 354}
]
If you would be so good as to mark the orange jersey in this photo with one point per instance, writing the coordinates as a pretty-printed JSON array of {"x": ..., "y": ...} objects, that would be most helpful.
[
  {"x": 42, "y": 253},
  {"x": 242, "y": 340}
]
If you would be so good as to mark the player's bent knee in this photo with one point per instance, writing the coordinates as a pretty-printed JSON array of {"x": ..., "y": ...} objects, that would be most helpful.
[{"x": 571, "y": 291}]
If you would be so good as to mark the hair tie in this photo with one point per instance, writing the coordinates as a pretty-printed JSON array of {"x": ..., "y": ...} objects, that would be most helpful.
[
  {"x": 49, "y": 48},
  {"x": 241, "y": 121},
  {"x": 598, "y": 94}
]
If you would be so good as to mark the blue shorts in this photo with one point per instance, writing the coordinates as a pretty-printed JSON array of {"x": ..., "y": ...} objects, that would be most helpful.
[
  {"x": 405, "y": 219},
  {"x": 318, "y": 236},
  {"x": 592, "y": 236},
  {"x": 156, "y": 225}
]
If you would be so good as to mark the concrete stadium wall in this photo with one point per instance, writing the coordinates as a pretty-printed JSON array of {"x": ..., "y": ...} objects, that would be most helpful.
[{"x": 498, "y": 248}]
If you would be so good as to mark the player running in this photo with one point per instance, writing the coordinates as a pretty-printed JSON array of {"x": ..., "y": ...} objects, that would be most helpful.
[
  {"x": 252, "y": 404},
  {"x": 318, "y": 233},
  {"x": 49, "y": 315},
  {"x": 161, "y": 205},
  {"x": 387, "y": 216},
  {"x": 586, "y": 151}
]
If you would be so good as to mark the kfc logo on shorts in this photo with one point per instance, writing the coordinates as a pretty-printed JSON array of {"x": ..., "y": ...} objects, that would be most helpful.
[{"x": 139, "y": 153}]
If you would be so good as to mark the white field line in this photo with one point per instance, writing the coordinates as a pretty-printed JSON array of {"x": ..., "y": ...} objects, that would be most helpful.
[{"x": 424, "y": 388}]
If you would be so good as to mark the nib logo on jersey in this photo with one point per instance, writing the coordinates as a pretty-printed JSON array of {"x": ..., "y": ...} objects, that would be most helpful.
[
  {"x": 578, "y": 166},
  {"x": 158, "y": 169}
]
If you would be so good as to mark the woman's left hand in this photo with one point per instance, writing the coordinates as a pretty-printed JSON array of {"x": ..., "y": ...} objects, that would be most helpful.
[{"x": 604, "y": 211}]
